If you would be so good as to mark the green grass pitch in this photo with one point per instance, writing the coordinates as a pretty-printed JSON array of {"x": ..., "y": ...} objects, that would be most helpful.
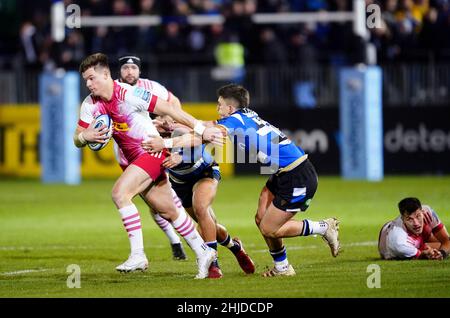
[{"x": 45, "y": 228}]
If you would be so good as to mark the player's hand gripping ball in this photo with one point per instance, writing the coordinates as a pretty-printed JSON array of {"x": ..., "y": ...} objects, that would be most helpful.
[{"x": 99, "y": 122}]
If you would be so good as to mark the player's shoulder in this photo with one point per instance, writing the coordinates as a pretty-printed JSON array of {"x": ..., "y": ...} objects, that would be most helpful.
[
  {"x": 90, "y": 100},
  {"x": 396, "y": 237},
  {"x": 247, "y": 117},
  {"x": 147, "y": 81},
  {"x": 397, "y": 228},
  {"x": 431, "y": 217},
  {"x": 227, "y": 123},
  {"x": 149, "y": 84},
  {"x": 123, "y": 85},
  {"x": 427, "y": 209},
  {"x": 248, "y": 112},
  {"x": 122, "y": 90},
  {"x": 235, "y": 120}
]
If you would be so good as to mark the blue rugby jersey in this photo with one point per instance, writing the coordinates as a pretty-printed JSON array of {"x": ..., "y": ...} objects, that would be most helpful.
[
  {"x": 195, "y": 161},
  {"x": 259, "y": 138}
]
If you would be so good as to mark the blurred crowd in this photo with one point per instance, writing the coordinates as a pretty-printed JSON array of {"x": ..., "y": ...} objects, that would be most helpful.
[{"x": 409, "y": 30}]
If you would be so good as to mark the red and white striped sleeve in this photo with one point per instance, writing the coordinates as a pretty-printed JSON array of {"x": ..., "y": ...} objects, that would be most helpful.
[{"x": 432, "y": 219}]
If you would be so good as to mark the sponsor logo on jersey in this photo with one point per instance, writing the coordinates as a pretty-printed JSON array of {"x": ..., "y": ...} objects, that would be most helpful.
[
  {"x": 121, "y": 126},
  {"x": 142, "y": 94}
]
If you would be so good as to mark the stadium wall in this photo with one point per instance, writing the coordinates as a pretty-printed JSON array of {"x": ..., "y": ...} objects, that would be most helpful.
[
  {"x": 416, "y": 140},
  {"x": 19, "y": 143}
]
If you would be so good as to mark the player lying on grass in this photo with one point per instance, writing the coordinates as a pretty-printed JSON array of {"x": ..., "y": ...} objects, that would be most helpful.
[
  {"x": 194, "y": 176},
  {"x": 416, "y": 234},
  {"x": 129, "y": 73},
  {"x": 292, "y": 182},
  {"x": 145, "y": 175}
]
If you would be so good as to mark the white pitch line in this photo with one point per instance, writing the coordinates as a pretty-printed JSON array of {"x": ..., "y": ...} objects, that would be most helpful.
[
  {"x": 368, "y": 243},
  {"x": 62, "y": 247},
  {"x": 25, "y": 271}
]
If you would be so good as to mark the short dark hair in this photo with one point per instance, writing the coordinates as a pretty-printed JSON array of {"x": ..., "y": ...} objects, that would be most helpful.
[
  {"x": 408, "y": 206},
  {"x": 236, "y": 92},
  {"x": 94, "y": 60}
]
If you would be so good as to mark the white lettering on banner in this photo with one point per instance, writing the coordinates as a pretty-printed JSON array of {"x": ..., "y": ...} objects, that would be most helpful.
[
  {"x": 416, "y": 140},
  {"x": 311, "y": 142}
]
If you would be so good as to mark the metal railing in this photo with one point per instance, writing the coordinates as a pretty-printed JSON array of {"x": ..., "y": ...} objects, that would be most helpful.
[{"x": 280, "y": 86}]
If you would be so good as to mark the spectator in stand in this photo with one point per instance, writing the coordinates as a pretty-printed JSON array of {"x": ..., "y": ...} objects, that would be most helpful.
[{"x": 407, "y": 27}]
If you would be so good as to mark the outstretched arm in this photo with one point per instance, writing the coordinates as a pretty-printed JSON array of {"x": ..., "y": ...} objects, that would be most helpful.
[
  {"x": 210, "y": 134},
  {"x": 156, "y": 144},
  {"x": 443, "y": 238},
  {"x": 163, "y": 107}
]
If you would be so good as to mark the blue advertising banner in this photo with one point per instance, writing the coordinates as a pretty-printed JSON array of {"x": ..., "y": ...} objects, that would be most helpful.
[
  {"x": 361, "y": 123},
  {"x": 59, "y": 101}
]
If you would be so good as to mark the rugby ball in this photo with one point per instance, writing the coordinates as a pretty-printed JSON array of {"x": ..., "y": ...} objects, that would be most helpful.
[{"x": 101, "y": 120}]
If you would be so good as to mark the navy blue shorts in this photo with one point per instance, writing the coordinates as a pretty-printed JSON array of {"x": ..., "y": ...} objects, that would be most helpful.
[
  {"x": 294, "y": 189},
  {"x": 184, "y": 190}
]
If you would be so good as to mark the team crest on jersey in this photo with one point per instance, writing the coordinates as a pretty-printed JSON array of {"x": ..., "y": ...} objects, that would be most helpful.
[
  {"x": 121, "y": 126},
  {"x": 142, "y": 94}
]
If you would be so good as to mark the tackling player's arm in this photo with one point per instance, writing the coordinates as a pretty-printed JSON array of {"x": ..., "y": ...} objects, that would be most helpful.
[
  {"x": 211, "y": 134},
  {"x": 193, "y": 140},
  {"x": 145, "y": 101},
  {"x": 156, "y": 144}
]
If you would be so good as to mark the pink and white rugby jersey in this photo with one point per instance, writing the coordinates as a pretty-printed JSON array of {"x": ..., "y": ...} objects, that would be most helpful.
[
  {"x": 128, "y": 108},
  {"x": 396, "y": 241},
  {"x": 156, "y": 89}
]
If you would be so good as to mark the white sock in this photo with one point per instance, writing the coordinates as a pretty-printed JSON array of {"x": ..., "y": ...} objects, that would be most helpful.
[
  {"x": 186, "y": 228},
  {"x": 167, "y": 228},
  {"x": 132, "y": 223},
  {"x": 318, "y": 227},
  {"x": 313, "y": 227},
  {"x": 230, "y": 244},
  {"x": 282, "y": 266}
]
